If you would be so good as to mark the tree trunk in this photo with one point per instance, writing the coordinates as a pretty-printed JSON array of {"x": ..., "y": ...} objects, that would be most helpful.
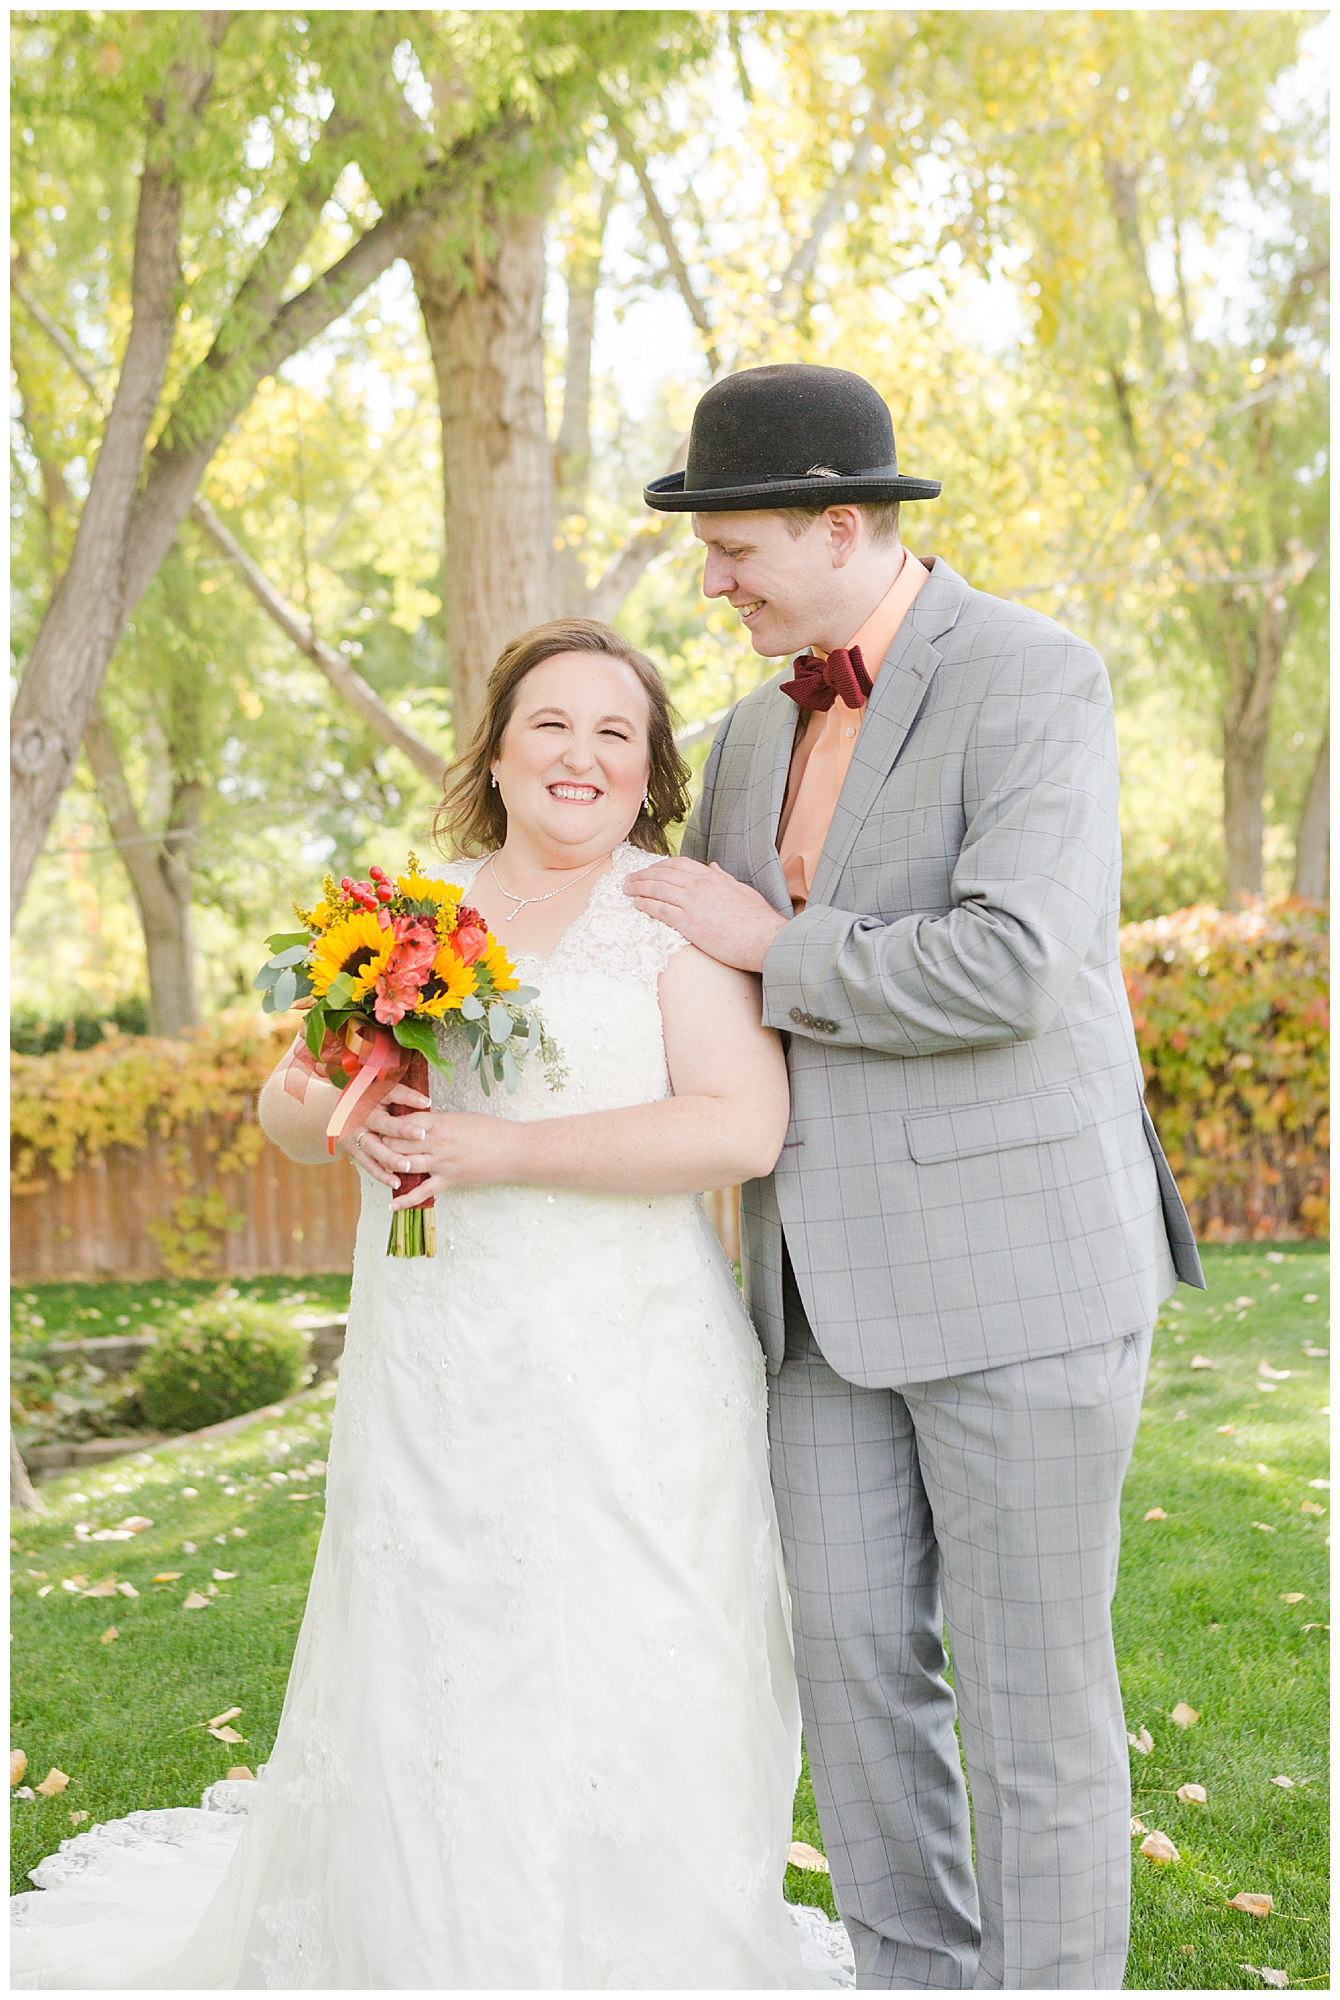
[
  {"x": 1254, "y": 650},
  {"x": 160, "y": 876},
  {"x": 84, "y": 619},
  {"x": 1312, "y": 861},
  {"x": 128, "y": 536},
  {"x": 21, "y": 1493},
  {"x": 488, "y": 356}
]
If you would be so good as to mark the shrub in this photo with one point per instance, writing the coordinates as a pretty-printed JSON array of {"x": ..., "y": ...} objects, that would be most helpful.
[
  {"x": 219, "y": 1359},
  {"x": 1231, "y": 1017}
]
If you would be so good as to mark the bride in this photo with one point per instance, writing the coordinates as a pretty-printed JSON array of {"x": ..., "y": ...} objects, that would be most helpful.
[{"x": 541, "y": 1728}]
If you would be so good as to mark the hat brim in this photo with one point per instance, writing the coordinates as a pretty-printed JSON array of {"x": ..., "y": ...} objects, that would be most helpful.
[{"x": 668, "y": 496}]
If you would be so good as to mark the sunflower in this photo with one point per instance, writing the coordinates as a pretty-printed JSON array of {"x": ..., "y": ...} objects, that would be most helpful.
[
  {"x": 496, "y": 961},
  {"x": 448, "y": 986},
  {"x": 358, "y": 946},
  {"x": 420, "y": 888}
]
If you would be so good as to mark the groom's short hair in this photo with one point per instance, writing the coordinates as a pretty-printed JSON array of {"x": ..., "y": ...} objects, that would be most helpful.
[{"x": 880, "y": 516}]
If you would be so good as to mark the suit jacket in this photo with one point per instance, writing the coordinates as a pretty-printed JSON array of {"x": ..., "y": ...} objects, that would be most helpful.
[{"x": 970, "y": 1176}]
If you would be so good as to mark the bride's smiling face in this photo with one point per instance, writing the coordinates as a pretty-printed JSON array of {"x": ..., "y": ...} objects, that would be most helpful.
[{"x": 573, "y": 764}]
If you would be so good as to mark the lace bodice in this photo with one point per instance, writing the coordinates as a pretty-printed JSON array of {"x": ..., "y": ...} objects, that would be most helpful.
[{"x": 599, "y": 1000}]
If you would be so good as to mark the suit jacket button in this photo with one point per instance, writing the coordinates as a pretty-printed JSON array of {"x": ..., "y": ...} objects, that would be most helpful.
[
  {"x": 830, "y": 1027},
  {"x": 796, "y": 1014}
]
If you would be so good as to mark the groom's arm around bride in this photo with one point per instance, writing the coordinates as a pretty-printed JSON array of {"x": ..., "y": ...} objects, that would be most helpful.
[{"x": 956, "y": 1266}]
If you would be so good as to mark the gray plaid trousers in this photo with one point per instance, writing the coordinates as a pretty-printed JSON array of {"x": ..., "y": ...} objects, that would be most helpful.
[{"x": 990, "y": 1500}]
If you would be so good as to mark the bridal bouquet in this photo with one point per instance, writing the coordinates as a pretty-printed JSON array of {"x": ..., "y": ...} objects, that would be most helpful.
[{"x": 377, "y": 965}]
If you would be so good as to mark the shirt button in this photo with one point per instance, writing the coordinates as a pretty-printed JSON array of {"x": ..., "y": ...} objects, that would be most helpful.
[{"x": 851, "y": 732}]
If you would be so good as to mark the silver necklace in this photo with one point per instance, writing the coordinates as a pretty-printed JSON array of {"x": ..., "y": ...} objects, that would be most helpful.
[{"x": 522, "y": 901}]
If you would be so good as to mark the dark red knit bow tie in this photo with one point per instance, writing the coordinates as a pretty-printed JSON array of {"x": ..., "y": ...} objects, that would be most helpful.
[{"x": 819, "y": 683}]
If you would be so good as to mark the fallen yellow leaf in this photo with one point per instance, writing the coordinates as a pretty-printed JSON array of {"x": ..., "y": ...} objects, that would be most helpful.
[
  {"x": 1252, "y": 1905},
  {"x": 107, "y": 1588},
  {"x": 136, "y": 1523},
  {"x": 167, "y": 1576},
  {"x": 1156, "y": 1514},
  {"x": 1144, "y": 1742},
  {"x": 195, "y": 1602},
  {"x": 226, "y": 1735},
  {"x": 1225, "y": 1430},
  {"x": 127, "y": 1590},
  {"x": 18, "y": 1764},
  {"x": 74, "y": 1583},
  {"x": 1294, "y": 1597},
  {"x": 1273, "y": 1374},
  {"x": 1270, "y": 1973},
  {"x": 1264, "y": 1526},
  {"x": 217, "y": 1721},
  {"x": 110, "y": 1634},
  {"x": 801, "y": 1855},
  {"x": 1320, "y": 1485},
  {"x": 55, "y": 1781},
  {"x": 1138, "y": 1826},
  {"x": 1285, "y": 1784},
  {"x": 1308, "y": 1507},
  {"x": 1192, "y": 1795},
  {"x": 1203, "y": 1361},
  {"x": 77, "y": 1817},
  {"x": 241, "y": 1771},
  {"x": 1159, "y": 1848},
  {"x": 224, "y": 1575},
  {"x": 1184, "y": 1715}
]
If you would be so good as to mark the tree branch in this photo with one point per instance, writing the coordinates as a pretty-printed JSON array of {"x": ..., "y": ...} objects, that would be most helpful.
[
  {"x": 212, "y": 397},
  {"x": 806, "y": 256},
  {"x": 629, "y": 153},
  {"x": 347, "y": 683}
]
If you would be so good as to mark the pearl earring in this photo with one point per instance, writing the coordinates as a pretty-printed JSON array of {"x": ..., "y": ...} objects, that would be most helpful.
[
  {"x": 646, "y": 803},
  {"x": 493, "y": 780}
]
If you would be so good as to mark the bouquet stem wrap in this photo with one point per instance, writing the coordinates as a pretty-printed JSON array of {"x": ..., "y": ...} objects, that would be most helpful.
[{"x": 372, "y": 1060}]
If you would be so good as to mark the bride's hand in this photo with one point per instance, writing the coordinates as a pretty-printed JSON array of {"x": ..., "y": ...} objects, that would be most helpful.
[
  {"x": 454, "y": 1148},
  {"x": 366, "y": 1146}
]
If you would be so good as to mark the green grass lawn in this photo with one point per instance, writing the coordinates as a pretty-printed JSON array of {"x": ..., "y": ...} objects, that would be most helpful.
[
  {"x": 91, "y": 1312},
  {"x": 1201, "y": 1618}
]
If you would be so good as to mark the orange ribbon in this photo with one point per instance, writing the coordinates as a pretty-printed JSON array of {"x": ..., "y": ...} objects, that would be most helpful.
[{"x": 373, "y": 1061}]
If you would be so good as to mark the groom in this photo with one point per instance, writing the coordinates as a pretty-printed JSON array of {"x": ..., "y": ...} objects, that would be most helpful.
[{"x": 956, "y": 1267}]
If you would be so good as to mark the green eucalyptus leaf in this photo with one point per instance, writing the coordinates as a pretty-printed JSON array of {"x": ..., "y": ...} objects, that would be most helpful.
[
  {"x": 285, "y": 991},
  {"x": 509, "y": 1072},
  {"x": 524, "y": 995},
  {"x": 266, "y": 977},
  {"x": 293, "y": 956},
  {"x": 471, "y": 1009},
  {"x": 500, "y": 1023}
]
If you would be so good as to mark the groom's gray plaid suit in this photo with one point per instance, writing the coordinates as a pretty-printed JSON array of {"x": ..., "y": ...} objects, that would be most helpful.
[{"x": 954, "y": 1272}]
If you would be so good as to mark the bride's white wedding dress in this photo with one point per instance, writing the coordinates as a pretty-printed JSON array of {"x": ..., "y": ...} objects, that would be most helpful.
[{"x": 541, "y": 1728}]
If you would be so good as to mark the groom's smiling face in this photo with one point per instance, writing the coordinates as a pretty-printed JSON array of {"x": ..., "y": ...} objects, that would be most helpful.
[{"x": 790, "y": 590}]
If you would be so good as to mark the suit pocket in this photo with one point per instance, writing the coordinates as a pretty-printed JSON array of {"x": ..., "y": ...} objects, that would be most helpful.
[{"x": 992, "y": 1128}]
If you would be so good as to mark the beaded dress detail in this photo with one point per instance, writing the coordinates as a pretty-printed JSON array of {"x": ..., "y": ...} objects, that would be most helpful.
[{"x": 541, "y": 1728}]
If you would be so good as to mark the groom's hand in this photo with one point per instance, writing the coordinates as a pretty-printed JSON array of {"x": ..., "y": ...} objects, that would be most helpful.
[{"x": 710, "y": 908}]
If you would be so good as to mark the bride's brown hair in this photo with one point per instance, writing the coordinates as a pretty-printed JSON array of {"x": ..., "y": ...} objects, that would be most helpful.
[{"x": 472, "y": 816}]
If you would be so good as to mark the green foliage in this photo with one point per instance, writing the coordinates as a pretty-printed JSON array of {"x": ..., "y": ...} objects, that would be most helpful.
[
  {"x": 51, "y": 1398},
  {"x": 1232, "y": 1018},
  {"x": 217, "y": 1360},
  {"x": 31, "y": 1035}
]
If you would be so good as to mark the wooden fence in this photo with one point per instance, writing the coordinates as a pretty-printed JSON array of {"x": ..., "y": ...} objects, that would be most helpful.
[{"x": 287, "y": 1219}]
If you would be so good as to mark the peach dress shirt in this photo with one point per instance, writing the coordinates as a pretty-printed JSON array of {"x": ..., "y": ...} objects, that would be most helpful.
[{"x": 824, "y": 745}]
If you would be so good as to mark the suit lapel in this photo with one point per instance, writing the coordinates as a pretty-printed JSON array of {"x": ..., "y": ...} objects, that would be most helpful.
[
  {"x": 770, "y": 761},
  {"x": 900, "y": 688}
]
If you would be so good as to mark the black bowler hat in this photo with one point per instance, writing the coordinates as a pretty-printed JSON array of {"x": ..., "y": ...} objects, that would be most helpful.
[{"x": 776, "y": 437}]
